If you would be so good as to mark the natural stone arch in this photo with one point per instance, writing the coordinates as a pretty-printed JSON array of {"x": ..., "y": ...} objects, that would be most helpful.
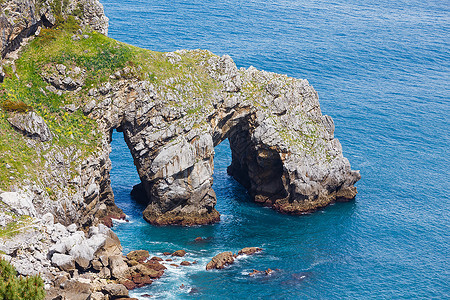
[{"x": 283, "y": 148}]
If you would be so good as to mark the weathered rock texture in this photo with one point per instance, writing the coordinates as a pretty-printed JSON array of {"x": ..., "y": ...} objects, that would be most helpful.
[
  {"x": 32, "y": 125},
  {"x": 22, "y": 18},
  {"x": 283, "y": 148}
]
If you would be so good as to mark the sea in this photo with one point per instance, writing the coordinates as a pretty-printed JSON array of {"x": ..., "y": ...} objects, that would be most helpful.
[{"x": 382, "y": 71}]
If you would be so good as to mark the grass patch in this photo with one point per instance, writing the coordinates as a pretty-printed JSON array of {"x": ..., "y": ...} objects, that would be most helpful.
[
  {"x": 100, "y": 57},
  {"x": 15, "y": 227}
]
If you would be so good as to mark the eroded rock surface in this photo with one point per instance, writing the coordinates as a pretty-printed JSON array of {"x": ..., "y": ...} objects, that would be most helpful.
[
  {"x": 22, "y": 18},
  {"x": 283, "y": 148},
  {"x": 32, "y": 125},
  {"x": 221, "y": 260}
]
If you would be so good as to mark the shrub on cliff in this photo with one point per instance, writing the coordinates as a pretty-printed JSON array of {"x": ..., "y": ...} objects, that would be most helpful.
[
  {"x": 13, "y": 287},
  {"x": 15, "y": 106}
]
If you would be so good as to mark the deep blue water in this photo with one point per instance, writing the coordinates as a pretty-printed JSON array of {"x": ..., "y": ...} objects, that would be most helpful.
[{"x": 382, "y": 71}]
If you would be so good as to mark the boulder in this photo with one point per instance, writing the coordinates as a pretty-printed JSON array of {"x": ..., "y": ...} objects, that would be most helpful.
[
  {"x": 115, "y": 290},
  {"x": 179, "y": 253},
  {"x": 83, "y": 254},
  {"x": 185, "y": 263},
  {"x": 118, "y": 266},
  {"x": 32, "y": 125},
  {"x": 19, "y": 203},
  {"x": 155, "y": 265},
  {"x": 138, "y": 255},
  {"x": 156, "y": 258},
  {"x": 63, "y": 261},
  {"x": 221, "y": 260},
  {"x": 111, "y": 246},
  {"x": 249, "y": 250}
]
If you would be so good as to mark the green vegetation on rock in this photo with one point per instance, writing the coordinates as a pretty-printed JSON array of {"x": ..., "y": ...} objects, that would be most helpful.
[{"x": 13, "y": 287}]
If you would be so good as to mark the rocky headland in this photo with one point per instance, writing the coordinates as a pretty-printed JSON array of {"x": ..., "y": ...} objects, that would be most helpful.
[{"x": 65, "y": 86}]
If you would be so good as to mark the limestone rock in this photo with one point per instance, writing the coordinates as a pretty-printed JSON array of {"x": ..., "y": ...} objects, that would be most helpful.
[
  {"x": 249, "y": 250},
  {"x": 19, "y": 203},
  {"x": 32, "y": 125},
  {"x": 117, "y": 266},
  {"x": 63, "y": 261},
  {"x": 138, "y": 255},
  {"x": 220, "y": 261},
  {"x": 115, "y": 290}
]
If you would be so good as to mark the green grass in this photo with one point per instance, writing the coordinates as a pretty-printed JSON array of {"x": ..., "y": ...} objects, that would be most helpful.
[
  {"x": 100, "y": 57},
  {"x": 18, "y": 225}
]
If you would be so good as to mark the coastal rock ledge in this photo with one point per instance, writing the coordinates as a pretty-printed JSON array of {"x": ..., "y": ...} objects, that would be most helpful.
[
  {"x": 173, "y": 109},
  {"x": 283, "y": 149}
]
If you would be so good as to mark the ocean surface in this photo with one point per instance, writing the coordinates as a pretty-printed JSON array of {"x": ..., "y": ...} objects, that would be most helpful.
[{"x": 382, "y": 71}]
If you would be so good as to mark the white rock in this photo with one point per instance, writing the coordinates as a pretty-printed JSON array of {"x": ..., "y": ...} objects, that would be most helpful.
[
  {"x": 72, "y": 228},
  {"x": 20, "y": 203}
]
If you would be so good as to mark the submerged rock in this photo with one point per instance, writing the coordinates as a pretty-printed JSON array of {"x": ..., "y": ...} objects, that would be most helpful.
[
  {"x": 249, "y": 250},
  {"x": 179, "y": 253}
]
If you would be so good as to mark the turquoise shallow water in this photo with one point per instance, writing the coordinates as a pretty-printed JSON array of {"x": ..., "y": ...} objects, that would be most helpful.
[{"x": 382, "y": 72}]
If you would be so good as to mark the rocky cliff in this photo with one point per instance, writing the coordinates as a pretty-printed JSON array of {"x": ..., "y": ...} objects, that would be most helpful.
[
  {"x": 173, "y": 109},
  {"x": 64, "y": 86},
  {"x": 283, "y": 148},
  {"x": 21, "y": 18}
]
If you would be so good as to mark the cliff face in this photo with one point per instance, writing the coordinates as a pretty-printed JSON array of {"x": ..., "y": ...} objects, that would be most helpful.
[
  {"x": 283, "y": 148},
  {"x": 21, "y": 18},
  {"x": 173, "y": 109}
]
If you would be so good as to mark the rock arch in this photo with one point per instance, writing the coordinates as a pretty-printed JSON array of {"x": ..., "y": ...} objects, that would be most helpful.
[{"x": 283, "y": 148}]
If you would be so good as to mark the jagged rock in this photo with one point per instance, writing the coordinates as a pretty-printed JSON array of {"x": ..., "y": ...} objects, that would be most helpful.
[
  {"x": 115, "y": 290},
  {"x": 21, "y": 19},
  {"x": 19, "y": 203},
  {"x": 63, "y": 261},
  {"x": 32, "y": 125},
  {"x": 249, "y": 250},
  {"x": 138, "y": 255},
  {"x": 179, "y": 253},
  {"x": 220, "y": 261},
  {"x": 117, "y": 266}
]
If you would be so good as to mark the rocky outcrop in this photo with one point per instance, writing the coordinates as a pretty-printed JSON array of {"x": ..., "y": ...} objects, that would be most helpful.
[
  {"x": 224, "y": 259},
  {"x": 221, "y": 260},
  {"x": 76, "y": 265},
  {"x": 249, "y": 250},
  {"x": 32, "y": 125},
  {"x": 283, "y": 148},
  {"x": 22, "y": 18}
]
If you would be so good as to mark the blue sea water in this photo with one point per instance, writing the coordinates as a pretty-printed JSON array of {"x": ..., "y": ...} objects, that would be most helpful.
[{"x": 382, "y": 71}]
